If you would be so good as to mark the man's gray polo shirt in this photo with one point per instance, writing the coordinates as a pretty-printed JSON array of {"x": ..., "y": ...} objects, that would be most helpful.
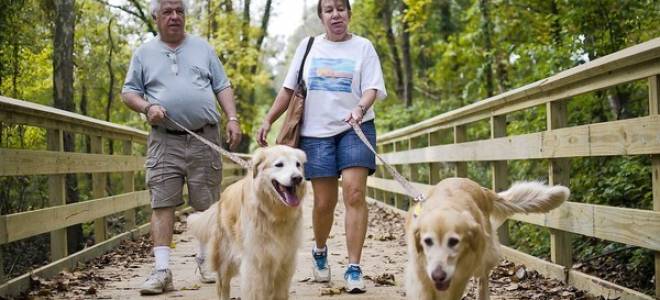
[{"x": 184, "y": 80}]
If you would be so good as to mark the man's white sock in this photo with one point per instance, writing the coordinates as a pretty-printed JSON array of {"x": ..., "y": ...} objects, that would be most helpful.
[{"x": 162, "y": 255}]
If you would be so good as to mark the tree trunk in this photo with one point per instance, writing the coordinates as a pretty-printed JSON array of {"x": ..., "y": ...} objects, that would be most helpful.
[
  {"x": 228, "y": 6},
  {"x": 487, "y": 31},
  {"x": 245, "y": 32},
  {"x": 15, "y": 69},
  {"x": 446, "y": 26},
  {"x": 63, "y": 42},
  {"x": 386, "y": 17},
  {"x": 407, "y": 63}
]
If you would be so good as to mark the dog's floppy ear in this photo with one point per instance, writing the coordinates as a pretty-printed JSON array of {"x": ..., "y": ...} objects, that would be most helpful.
[
  {"x": 416, "y": 237},
  {"x": 301, "y": 155},
  {"x": 257, "y": 158}
]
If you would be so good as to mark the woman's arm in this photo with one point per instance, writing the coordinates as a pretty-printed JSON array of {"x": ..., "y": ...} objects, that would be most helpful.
[
  {"x": 356, "y": 115},
  {"x": 279, "y": 106}
]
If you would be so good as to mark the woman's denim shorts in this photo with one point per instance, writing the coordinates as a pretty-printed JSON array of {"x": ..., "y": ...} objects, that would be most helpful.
[{"x": 328, "y": 156}]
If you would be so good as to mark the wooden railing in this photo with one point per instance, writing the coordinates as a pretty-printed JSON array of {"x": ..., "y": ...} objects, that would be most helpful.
[
  {"x": 441, "y": 141},
  {"x": 55, "y": 163}
]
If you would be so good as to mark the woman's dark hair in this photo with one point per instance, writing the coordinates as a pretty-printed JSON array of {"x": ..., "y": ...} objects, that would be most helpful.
[{"x": 318, "y": 7}]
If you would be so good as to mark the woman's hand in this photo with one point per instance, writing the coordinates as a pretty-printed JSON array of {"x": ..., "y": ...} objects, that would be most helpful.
[
  {"x": 262, "y": 134},
  {"x": 355, "y": 116}
]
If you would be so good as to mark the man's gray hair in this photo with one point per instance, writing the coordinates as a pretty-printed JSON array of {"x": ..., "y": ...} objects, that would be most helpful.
[{"x": 155, "y": 6}]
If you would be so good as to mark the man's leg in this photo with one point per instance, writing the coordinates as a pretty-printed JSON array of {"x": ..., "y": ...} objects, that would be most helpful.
[
  {"x": 165, "y": 181},
  {"x": 162, "y": 227},
  {"x": 204, "y": 170}
]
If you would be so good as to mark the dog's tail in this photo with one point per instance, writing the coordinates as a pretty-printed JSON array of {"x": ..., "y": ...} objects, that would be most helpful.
[
  {"x": 200, "y": 223},
  {"x": 527, "y": 197}
]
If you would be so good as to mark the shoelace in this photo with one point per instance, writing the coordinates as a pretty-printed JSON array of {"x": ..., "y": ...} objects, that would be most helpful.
[
  {"x": 320, "y": 259},
  {"x": 353, "y": 273}
]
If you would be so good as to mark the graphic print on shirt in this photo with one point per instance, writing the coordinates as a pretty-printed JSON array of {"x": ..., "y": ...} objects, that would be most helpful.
[{"x": 331, "y": 74}]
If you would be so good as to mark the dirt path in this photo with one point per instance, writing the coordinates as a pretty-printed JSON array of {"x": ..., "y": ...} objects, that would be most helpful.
[{"x": 119, "y": 274}]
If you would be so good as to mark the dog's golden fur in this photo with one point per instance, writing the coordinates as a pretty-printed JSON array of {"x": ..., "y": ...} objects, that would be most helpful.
[
  {"x": 255, "y": 229},
  {"x": 453, "y": 237}
]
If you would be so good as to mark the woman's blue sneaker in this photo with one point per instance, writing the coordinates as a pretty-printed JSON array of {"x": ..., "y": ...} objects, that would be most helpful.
[
  {"x": 354, "y": 281},
  {"x": 321, "y": 269}
]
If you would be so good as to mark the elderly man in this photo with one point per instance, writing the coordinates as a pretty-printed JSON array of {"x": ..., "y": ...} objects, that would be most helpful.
[{"x": 178, "y": 76}]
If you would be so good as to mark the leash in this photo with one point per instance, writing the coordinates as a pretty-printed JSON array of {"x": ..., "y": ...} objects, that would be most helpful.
[
  {"x": 410, "y": 189},
  {"x": 241, "y": 162}
]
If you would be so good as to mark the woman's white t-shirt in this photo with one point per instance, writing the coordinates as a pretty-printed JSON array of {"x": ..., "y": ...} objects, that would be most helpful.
[{"x": 336, "y": 74}]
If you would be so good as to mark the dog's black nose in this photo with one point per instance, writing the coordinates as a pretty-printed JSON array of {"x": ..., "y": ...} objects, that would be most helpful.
[
  {"x": 438, "y": 275},
  {"x": 296, "y": 179}
]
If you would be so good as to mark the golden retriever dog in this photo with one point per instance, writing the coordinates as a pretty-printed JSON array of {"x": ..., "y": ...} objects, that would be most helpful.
[
  {"x": 255, "y": 229},
  {"x": 452, "y": 234}
]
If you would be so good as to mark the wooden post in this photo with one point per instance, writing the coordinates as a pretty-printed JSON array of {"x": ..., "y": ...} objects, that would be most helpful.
[
  {"x": 398, "y": 198},
  {"x": 654, "y": 110},
  {"x": 460, "y": 136},
  {"x": 500, "y": 172},
  {"x": 434, "y": 167},
  {"x": 388, "y": 197},
  {"x": 561, "y": 248},
  {"x": 98, "y": 191},
  {"x": 57, "y": 196},
  {"x": 378, "y": 193},
  {"x": 128, "y": 185},
  {"x": 413, "y": 176}
]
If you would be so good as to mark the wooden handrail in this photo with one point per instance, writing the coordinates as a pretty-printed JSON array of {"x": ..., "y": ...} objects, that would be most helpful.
[
  {"x": 23, "y": 112},
  {"x": 643, "y": 58}
]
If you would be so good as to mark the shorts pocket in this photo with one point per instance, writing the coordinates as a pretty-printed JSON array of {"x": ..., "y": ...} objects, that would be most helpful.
[
  {"x": 214, "y": 171},
  {"x": 154, "y": 161}
]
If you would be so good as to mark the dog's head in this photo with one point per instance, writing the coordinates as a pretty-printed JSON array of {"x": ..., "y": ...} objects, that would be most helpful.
[
  {"x": 444, "y": 238},
  {"x": 278, "y": 170}
]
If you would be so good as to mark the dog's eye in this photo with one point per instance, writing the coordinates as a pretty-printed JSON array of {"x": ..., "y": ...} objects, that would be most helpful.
[
  {"x": 428, "y": 242},
  {"x": 279, "y": 165},
  {"x": 452, "y": 242},
  {"x": 298, "y": 164}
]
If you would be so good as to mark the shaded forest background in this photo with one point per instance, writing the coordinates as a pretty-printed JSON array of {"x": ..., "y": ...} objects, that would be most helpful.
[{"x": 437, "y": 55}]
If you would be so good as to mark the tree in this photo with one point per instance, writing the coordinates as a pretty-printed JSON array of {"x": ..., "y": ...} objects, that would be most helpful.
[{"x": 63, "y": 41}]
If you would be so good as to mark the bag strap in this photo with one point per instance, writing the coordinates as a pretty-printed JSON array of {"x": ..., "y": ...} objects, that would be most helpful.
[{"x": 302, "y": 64}]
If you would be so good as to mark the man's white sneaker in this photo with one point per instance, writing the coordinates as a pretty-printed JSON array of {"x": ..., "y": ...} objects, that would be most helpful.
[
  {"x": 205, "y": 274},
  {"x": 321, "y": 269},
  {"x": 158, "y": 282},
  {"x": 354, "y": 281}
]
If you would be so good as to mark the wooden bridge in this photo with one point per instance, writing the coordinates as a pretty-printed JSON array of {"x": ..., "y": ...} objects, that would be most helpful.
[{"x": 426, "y": 152}]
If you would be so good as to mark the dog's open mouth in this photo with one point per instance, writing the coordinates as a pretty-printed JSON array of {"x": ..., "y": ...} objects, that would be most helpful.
[
  {"x": 442, "y": 286},
  {"x": 287, "y": 194}
]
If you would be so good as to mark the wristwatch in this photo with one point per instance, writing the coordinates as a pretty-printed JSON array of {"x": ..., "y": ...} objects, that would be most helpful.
[{"x": 235, "y": 119}]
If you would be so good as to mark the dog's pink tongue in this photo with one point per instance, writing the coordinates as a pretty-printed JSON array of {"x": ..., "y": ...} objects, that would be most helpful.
[{"x": 291, "y": 198}]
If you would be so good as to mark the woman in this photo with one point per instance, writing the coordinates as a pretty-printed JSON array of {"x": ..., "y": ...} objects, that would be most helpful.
[{"x": 343, "y": 78}]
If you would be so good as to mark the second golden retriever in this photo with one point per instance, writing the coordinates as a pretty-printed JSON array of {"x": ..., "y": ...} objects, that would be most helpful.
[
  {"x": 255, "y": 229},
  {"x": 452, "y": 234}
]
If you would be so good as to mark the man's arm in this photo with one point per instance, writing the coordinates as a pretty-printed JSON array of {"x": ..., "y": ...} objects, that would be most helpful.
[
  {"x": 155, "y": 113},
  {"x": 226, "y": 100}
]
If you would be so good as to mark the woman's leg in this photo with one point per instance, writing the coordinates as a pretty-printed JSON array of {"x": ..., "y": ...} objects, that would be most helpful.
[
  {"x": 354, "y": 185},
  {"x": 325, "y": 200}
]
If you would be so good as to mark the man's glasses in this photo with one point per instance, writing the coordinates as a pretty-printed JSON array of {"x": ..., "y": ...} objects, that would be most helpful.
[{"x": 174, "y": 67}]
